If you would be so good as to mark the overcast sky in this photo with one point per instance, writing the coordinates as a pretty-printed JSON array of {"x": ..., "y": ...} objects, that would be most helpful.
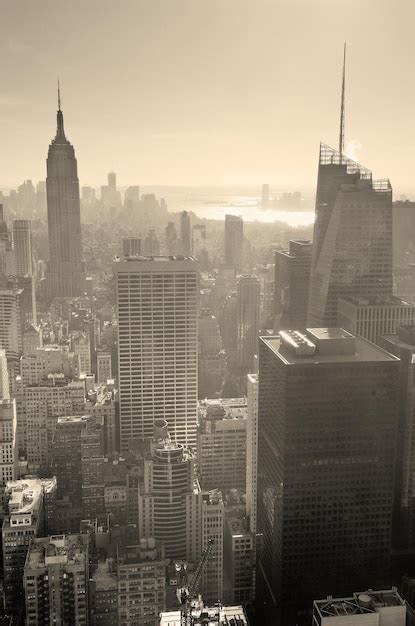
[{"x": 206, "y": 92}]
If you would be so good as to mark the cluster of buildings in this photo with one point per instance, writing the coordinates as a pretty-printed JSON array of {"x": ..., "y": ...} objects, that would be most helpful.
[{"x": 245, "y": 431}]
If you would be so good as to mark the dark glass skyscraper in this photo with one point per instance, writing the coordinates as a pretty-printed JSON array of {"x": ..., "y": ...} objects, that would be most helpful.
[
  {"x": 65, "y": 272},
  {"x": 352, "y": 246},
  {"x": 327, "y": 430}
]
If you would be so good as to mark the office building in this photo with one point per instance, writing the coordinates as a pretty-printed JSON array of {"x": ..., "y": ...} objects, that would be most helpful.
[
  {"x": 185, "y": 233},
  {"x": 325, "y": 488},
  {"x": 77, "y": 444},
  {"x": 151, "y": 244},
  {"x": 38, "y": 408},
  {"x": 239, "y": 560},
  {"x": 247, "y": 303},
  {"x": 131, "y": 246},
  {"x": 168, "y": 478},
  {"x": 8, "y": 447},
  {"x": 110, "y": 196},
  {"x": 209, "y": 333},
  {"x": 172, "y": 243},
  {"x": 24, "y": 520},
  {"x": 103, "y": 594},
  {"x": 22, "y": 244},
  {"x": 252, "y": 450},
  {"x": 65, "y": 271},
  {"x": 11, "y": 324},
  {"x": 4, "y": 376},
  {"x": 221, "y": 443},
  {"x": 141, "y": 582},
  {"x": 352, "y": 242},
  {"x": 56, "y": 577},
  {"x": 377, "y": 608},
  {"x": 46, "y": 360},
  {"x": 32, "y": 339},
  {"x": 375, "y": 316},
  {"x": 157, "y": 346},
  {"x": 81, "y": 345},
  {"x": 104, "y": 370},
  {"x": 212, "y": 374},
  {"x": 212, "y": 523},
  {"x": 234, "y": 237},
  {"x": 199, "y": 241},
  {"x": 401, "y": 343},
  {"x": 292, "y": 283}
]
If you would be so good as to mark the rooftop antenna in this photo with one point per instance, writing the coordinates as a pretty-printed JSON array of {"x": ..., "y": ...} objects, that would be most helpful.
[
  {"x": 59, "y": 96},
  {"x": 341, "y": 134}
]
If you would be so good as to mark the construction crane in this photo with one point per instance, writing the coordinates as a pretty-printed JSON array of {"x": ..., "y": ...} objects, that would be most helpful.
[{"x": 185, "y": 593}]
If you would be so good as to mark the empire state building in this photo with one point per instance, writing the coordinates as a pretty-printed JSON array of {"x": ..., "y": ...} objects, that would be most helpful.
[{"x": 65, "y": 277}]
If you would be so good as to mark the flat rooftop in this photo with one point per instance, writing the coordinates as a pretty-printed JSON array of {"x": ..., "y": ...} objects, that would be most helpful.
[
  {"x": 214, "y": 616},
  {"x": 57, "y": 549},
  {"x": 324, "y": 345},
  {"x": 360, "y": 603},
  {"x": 127, "y": 263},
  {"x": 223, "y": 408},
  {"x": 377, "y": 301}
]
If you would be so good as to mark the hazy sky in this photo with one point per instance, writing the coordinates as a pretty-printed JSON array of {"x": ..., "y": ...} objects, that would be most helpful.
[{"x": 206, "y": 92}]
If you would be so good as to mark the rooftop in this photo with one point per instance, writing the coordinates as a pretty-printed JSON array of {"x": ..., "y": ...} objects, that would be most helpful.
[
  {"x": 214, "y": 616},
  {"x": 324, "y": 345},
  {"x": 126, "y": 263},
  {"x": 223, "y": 408},
  {"x": 360, "y": 603},
  {"x": 376, "y": 301},
  {"x": 57, "y": 549},
  {"x": 24, "y": 498}
]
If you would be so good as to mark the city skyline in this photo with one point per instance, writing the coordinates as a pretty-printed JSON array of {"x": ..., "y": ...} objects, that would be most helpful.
[{"x": 192, "y": 128}]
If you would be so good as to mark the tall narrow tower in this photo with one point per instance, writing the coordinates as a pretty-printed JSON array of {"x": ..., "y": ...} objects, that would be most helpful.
[{"x": 65, "y": 272}]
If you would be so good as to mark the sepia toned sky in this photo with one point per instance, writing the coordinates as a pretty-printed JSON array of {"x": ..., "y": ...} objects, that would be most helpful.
[{"x": 207, "y": 92}]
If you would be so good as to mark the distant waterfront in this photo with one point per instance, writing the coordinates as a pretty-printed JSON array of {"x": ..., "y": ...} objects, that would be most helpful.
[{"x": 215, "y": 203}]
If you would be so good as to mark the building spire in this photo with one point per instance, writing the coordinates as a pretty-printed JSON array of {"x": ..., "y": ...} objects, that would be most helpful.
[
  {"x": 59, "y": 96},
  {"x": 341, "y": 133},
  {"x": 60, "y": 132}
]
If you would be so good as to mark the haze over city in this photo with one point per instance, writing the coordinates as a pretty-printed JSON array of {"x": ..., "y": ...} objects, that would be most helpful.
[
  {"x": 219, "y": 93},
  {"x": 207, "y": 313}
]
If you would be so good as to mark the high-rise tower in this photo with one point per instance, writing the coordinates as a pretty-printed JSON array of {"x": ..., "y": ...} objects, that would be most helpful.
[
  {"x": 22, "y": 239},
  {"x": 352, "y": 244},
  {"x": 327, "y": 429},
  {"x": 65, "y": 272},
  {"x": 157, "y": 346},
  {"x": 234, "y": 236}
]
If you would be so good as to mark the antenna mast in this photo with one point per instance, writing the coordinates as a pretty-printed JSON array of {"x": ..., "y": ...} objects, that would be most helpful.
[{"x": 341, "y": 134}]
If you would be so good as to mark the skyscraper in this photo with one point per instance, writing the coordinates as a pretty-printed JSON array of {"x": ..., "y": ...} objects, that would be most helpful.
[
  {"x": 401, "y": 343},
  {"x": 247, "y": 290},
  {"x": 352, "y": 243},
  {"x": 22, "y": 241},
  {"x": 185, "y": 233},
  {"x": 327, "y": 429},
  {"x": 157, "y": 346},
  {"x": 234, "y": 236},
  {"x": 131, "y": 246},
  {"x": 292, "y": 283},
  {"x": 8, "y": 447},
  {"x": 65, "y": 271}
]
